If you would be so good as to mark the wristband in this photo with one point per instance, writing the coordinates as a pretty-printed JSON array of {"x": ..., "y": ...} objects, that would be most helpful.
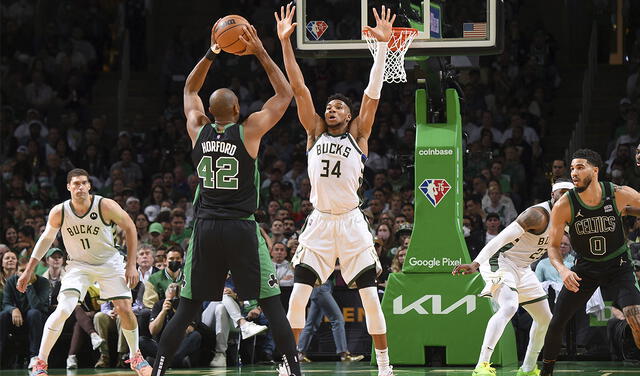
[{"x": 211, "y": 54}]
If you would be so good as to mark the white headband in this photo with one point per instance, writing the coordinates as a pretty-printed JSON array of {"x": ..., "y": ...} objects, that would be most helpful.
[{"x": 562, "y": 185}]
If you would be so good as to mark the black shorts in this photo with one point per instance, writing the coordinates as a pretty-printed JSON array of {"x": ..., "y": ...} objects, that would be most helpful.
[
  {"x": 615, "y": 276},
  {"x": 218, "y": 246}
]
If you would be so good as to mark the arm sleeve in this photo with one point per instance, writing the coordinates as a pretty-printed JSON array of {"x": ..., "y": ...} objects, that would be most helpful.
[
  {"x": 377, "y": 72},
  {"x": 506, "y": 236},
  {"x": 44, "y": 242}
]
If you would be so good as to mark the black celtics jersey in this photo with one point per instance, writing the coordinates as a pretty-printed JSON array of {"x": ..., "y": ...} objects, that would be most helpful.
[
  {"x": 228, "y": 185},
  {"x": 596, "y": 231}
]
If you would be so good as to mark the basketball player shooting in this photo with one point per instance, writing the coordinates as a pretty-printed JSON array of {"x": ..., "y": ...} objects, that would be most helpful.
[
  {"x": 337, "y": 148},
  {"x": 593, "y": 211},
  {"x": 225, "y": 235}
]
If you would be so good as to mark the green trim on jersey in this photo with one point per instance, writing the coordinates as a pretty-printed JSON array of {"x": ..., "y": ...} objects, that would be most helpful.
[
  {"x": 186, "y": 288},
  {"x": 493, "y": 261},
  {"x": 613, "y": 198},
  {"x": 315, "y": 142},
  {"x": 602, "y": 198},
  {"x": 88, "y": 210},
  {"x": 573, "y": 211},
  {"x": 196, "y": 195},
  {"x": 267, "y": 271},
  {"x": 224, "y": 129},
  {"x": 624, "y": 248},
  {"x": 200, "y": 131},
  {"x": 335, "y": 135},
  {"x": 352, "y": 284},
  {"x": 256, "y": 182},
  {"x": 355, "y": 144},
  {"x": 62, "y": 219},
  {"x": 535, "y": 300},
  {"x": 100, "y": 213}
]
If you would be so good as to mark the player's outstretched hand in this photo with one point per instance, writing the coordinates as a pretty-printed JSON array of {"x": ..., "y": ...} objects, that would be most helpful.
[
  {"x": 23, "y": 281},
  {"x": 283, "y": 21},
  {"x": 570, "y": 280},
  {"x": 384, "y": 23},
  {"x": 466, "y": 268},
  {"x": 251, "y": 40}
]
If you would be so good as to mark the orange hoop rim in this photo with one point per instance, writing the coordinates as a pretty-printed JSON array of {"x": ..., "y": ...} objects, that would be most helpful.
[{"x": 397, "y": 30}]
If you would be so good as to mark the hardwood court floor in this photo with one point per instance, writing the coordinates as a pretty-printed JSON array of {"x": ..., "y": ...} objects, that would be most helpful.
[{"x": 359, "y": 369}]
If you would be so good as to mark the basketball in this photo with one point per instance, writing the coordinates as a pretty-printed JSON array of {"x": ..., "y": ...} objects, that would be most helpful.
[{"x": 227, "y": 30}]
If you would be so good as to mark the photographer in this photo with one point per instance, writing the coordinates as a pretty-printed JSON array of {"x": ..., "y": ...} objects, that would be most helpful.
[{"x": 161, "y": 313}]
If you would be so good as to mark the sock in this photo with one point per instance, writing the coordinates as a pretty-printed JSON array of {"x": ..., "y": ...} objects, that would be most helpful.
[
  {"x": 132, "y": 340},
  {"x": 547, "y": 367},
  {"x": 485, "y": 355},
  {"x": 382, "y": 358}
]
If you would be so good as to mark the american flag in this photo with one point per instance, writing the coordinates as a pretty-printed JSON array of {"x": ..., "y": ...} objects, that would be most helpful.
[{"x": 474, "y": 30}]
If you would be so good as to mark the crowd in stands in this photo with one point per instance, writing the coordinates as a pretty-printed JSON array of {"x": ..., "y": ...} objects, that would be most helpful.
[{"x": 47, "y": 128}]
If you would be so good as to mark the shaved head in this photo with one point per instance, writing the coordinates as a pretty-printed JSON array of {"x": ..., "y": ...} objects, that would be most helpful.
[{"x": 223, "y": 103}]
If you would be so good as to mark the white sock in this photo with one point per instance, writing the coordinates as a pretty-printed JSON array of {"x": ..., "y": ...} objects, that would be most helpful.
[
  {"x": 507, "y": 300},
  {"x": 541, "y": 314},
  {"x": 132, "y": 340},
  {"x": 67, "y": 301},
  {"x": 382, "y": 358}
]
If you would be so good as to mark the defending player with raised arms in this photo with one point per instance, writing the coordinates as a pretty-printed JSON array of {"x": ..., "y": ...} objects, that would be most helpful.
[
  {"x": 337, "y": 149},
  {"x": 226, "y": 236},
  {"x": 87, "y": 224},
  {"x": 592, "y": 210},
  {"x": 505, "y": 265}
]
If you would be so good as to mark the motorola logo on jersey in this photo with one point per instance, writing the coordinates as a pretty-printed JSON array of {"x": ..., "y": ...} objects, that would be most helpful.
[
  {"x": 93, "y": 216},
  {"x": 435, "y": 151},
  {"x": 435, "y": 190}
]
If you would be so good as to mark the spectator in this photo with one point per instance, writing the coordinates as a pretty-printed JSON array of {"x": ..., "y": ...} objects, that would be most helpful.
[
  {"x": 25, "y": 313},
  {"x": 398, "y": 260},
  {"x": 105, "y": 322},
  {"x": 26, "y": 241},
  {"x": 132, "y": 207},
  {"x": 496, "y": 202},
  {"x": 558, "y": 169},
  {"x": 492, "y": 225},
  {"x": 156, "y": 235},
  {"x": 159, "y": 281},
  {"x": 546, "y": 272},
  {"x": 8, "y": 268},
  {"x": 277, "y": 231},
  {"x": 284, "y": 269},
  {"x": 11, "y": 237},
  {"x": 178, "y": 232},
  {"x": 142, "y": 228},
  {"x": 132, "y": 171},
  {"x": 162, "y": 312}
]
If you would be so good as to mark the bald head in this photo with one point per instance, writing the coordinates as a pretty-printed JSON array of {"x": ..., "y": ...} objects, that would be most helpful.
[{"x": 223, "y": 103}]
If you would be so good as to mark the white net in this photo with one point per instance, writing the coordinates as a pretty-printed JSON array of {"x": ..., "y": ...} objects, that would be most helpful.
[{"x": 397, "y": 48}]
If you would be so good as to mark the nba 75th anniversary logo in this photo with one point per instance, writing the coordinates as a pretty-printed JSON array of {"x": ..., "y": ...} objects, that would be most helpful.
[{"x": 435, "y": 190}]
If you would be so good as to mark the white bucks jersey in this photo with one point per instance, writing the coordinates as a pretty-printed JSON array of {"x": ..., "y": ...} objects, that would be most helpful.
[
  {"x": 336, "y": 164},
  {"x": 529, "y": 247},
  {"x": 87, "y": 238}
]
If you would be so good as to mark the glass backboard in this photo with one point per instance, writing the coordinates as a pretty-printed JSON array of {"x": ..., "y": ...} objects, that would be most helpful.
[{"x": 333, "y": 28}]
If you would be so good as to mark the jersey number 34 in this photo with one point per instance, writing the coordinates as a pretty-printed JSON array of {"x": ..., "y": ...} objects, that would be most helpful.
[{"x": 224, "y": 177}]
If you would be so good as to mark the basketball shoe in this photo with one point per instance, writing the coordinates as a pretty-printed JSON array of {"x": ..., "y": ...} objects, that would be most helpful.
[{"x": 484, "y": 369}]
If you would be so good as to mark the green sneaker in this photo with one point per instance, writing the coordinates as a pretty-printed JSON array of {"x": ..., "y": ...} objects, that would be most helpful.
[
  {"x": 533, "y": 372},
  {"x": 484, "y": 369}
]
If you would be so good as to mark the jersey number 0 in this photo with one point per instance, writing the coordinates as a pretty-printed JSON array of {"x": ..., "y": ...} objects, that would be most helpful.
[{"x": 225, "y": 175}]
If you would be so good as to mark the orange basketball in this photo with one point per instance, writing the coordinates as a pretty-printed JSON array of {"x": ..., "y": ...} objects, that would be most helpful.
[{"x": 227, "y": 30}]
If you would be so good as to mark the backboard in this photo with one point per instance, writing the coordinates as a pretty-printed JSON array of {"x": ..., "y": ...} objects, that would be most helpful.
[{"x": 333, "y": 28}]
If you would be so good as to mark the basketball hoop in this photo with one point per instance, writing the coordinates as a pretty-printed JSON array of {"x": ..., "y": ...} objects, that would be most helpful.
[{"x": 398, "y": 45}]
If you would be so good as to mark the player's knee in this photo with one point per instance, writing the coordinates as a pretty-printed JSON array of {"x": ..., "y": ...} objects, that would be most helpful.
[
  {"x": 508, "y": 309},
  {"x": 366, "y": 279},
  {"x": 298, "y": 304},
  {"x": 373, "y": 311},
  {"x": 304, "y": 276}
]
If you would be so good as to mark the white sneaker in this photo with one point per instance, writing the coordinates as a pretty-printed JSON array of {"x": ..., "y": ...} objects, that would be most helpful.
[
  {"x": 32, "y": 362},
  {"x": 388, "y": 371},
  {"x": 219, "y": 360},
  {"x": 72, "y": 362},
  {"x": 250, "y": 329},
  {"x": 96, "y": 340}
]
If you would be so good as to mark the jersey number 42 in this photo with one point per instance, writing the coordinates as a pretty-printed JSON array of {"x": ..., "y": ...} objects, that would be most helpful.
[{"x": 224, "y": 177}]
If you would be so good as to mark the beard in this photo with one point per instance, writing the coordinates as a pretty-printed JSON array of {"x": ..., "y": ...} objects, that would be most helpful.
[{"x": 587, "y": 182}]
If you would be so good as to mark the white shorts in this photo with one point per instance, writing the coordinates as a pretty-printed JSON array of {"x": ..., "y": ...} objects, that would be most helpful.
[
  {"x": 110, "y": 278},
  {"x": 327, "y": 237},
  {"x": 520, "y": 279}
]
